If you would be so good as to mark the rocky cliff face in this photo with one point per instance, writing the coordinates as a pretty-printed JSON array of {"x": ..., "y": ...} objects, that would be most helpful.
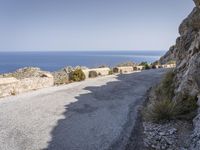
[
  {"x": 186, "y": 52},
  {"x": 169, "y": 56}
]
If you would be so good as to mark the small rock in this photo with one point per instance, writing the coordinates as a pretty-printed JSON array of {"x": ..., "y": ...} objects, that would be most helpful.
[
  {"x": 172, "y": 131},
  {"x": 162, "y": 133}
]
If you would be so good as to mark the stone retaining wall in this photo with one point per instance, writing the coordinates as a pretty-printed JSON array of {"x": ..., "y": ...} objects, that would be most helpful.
[
  {"x": 8, "y": 86},
  {"x": 125, "y": 69},
  {"x": 100, "y": 71},
  {"x": 12, "y": 86}
]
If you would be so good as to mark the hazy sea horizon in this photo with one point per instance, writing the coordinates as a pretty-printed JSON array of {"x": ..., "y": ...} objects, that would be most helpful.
[{"x": 53, "y": 61}]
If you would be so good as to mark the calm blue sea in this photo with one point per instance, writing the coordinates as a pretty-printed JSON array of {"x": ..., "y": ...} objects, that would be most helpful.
[{"x": 52, "y": 61}]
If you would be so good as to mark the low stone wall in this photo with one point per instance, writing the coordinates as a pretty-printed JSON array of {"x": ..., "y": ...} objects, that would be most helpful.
[
  {"x": 140, "y": 67},
  {"x": 12, "y": 86},
  {"x": 166, "y": 66},
  {"x": 169, "y": 66},
  {"x": 100, "y": 71},
  {"x": 126, "y": 69},
  {"x": 8, "y": 86},
  {"x": 34, "y": 83}
]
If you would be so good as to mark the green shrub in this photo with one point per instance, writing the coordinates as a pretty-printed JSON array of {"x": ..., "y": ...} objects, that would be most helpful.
[
  {"x": 165, "y": 90},
  {"x": 167, "y": 85},
  {"x": 77, "y": 75},
  {"x": 161, "y": 110},
  {"x": 110, "y": 72},
  {"x": 164, "y": 106},
  {"x": 170, "y": 109},
  {"x": 93, "y": 74},
  {"x": 187, "y": 104},
  {"x": 146, "y": 67},
  {"x": 145, "y": 64}
]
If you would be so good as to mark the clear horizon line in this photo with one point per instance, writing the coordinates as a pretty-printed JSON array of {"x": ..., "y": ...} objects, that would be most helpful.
[{"x": 74, "y": 50}]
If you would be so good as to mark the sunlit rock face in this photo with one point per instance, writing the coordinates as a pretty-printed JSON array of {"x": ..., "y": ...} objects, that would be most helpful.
[
  {"x": 188, "y": 55},
  {"x": 186, "y": 52},
  {"x": 169, "y": 56}
]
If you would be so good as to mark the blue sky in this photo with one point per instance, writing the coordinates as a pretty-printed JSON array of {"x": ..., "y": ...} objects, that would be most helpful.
[{"x": 28, "y": 25}]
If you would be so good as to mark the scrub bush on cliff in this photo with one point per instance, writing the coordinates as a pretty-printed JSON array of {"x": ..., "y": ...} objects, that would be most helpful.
[
  {"x": 163, "y": 107},
  {"x": 110, "y": 72},
  {"x": 77, "y": 75}
]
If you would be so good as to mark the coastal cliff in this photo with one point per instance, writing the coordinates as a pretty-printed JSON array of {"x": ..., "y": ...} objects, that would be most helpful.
[{"x": 186, "y": 53}]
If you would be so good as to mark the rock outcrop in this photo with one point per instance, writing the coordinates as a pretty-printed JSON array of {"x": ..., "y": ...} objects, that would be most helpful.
[
  {"x": 186, "y": 52},
  {"x": 169, "y": 56}
]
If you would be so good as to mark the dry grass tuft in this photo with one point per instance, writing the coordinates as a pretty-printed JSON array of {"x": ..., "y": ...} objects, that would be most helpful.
[{"x": 164, "y": 107}]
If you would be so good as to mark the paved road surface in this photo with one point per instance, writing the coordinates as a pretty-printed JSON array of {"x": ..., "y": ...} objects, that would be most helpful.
[{"x": 96, "y": 114}]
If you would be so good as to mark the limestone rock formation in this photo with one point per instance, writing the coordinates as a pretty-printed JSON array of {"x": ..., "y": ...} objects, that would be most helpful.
[
  {"x": 169, "y": 56},
  {"x": 186, "y": 52},
  {"x": 188, "y": 55}
]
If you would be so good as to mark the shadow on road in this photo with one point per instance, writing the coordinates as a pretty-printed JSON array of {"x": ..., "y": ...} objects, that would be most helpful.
[{"x": 96, "y": 118}]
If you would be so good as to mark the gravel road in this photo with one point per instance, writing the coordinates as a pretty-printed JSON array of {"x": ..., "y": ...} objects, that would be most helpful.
[{"x": 97, "y": 114}]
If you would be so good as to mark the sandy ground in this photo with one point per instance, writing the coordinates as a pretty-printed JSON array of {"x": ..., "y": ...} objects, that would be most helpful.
[{"x": 96, "y": 114}]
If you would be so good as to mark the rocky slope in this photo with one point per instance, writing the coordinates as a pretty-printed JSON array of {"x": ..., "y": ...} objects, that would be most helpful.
[
  {"x": 186, "y": 52},
  {"x": 169, "y": 56}
]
